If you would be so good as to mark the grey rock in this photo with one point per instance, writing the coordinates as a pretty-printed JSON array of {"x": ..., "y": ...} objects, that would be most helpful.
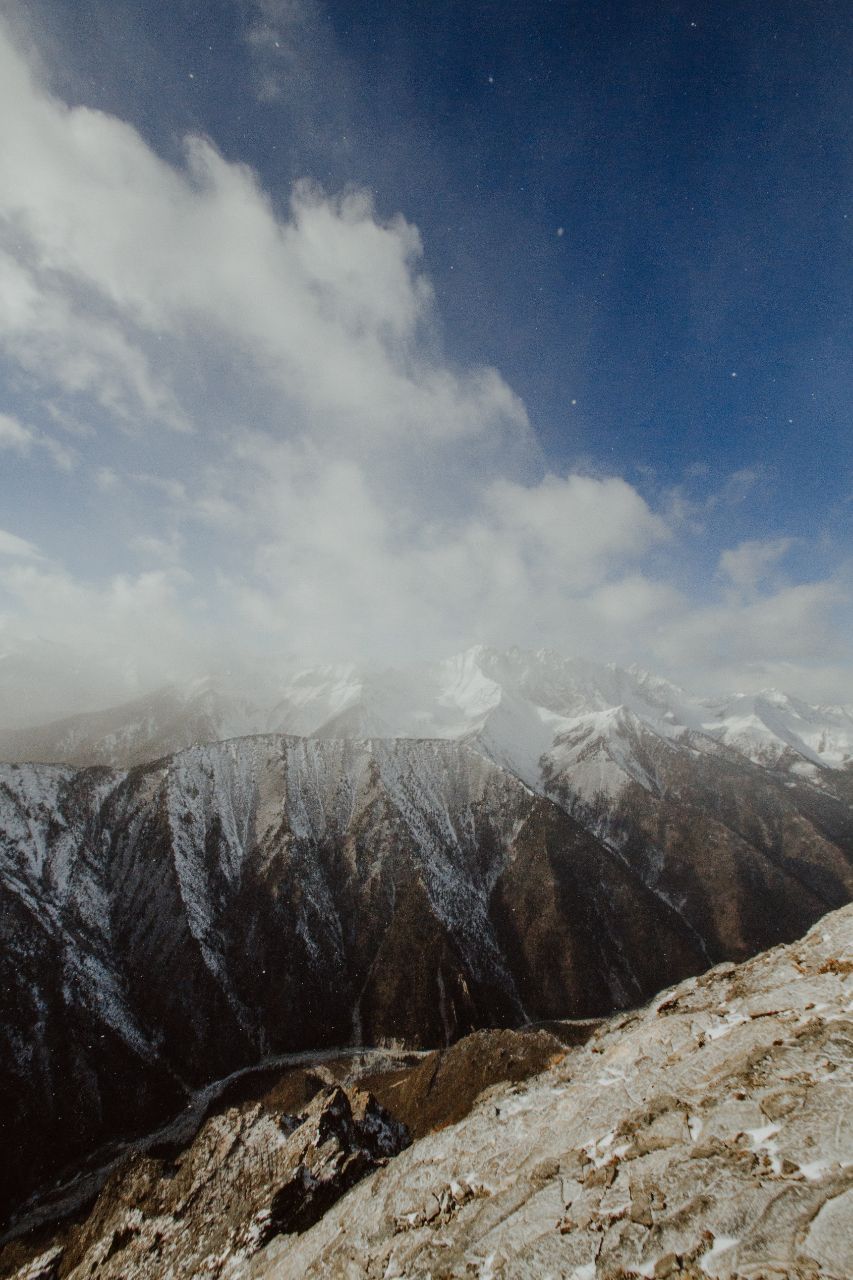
[{"x": 734, "y": 1193}]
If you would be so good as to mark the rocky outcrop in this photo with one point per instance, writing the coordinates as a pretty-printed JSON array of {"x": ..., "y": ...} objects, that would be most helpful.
[
  {"x": 707, "y": 1135},
  {"x": 366, "y": 1102},
  {"x": 443, "y": 1087},
  {"x": 250, "y": 1174}
]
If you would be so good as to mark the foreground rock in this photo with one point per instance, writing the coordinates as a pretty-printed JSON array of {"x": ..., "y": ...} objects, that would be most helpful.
[
  {"x": 249, "y": 1175},
  {"x": 421, "y": 1091},
  {"x": 711, "y": 1134}
]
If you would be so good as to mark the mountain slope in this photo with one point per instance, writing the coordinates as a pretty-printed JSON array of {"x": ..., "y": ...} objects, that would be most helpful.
[
  {"x": 706, "y": 1135},
  {"x": 166, "y": 925}
]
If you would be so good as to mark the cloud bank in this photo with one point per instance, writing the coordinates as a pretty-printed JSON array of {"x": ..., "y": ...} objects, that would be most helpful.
[{"x": 251, "y": 397}]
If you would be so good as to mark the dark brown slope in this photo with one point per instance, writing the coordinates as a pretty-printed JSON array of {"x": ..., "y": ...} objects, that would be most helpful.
[{"x": 749, "y": 857}]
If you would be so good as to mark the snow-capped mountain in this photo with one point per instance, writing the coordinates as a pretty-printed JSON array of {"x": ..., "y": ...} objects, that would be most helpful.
[
  {"x": 529, "y": 711},
  {"x": 486, "y": 840},
  {"x": 164, "y": 925}
]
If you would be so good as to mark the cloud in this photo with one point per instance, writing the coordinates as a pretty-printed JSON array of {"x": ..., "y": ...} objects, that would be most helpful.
[
  {"x": 23, "y": 440},
  {"x": 17, "y": 548},
  {"x": 271, "y": 430},
  {"x": 14, "y": 435},
  {"x": 49, "y": 333},
  {"x": 121, "y": 250},
  {"x": 150, "y": 546},
  {"x": 749, "y": 563},
  {"x": 291, "y": 48},
  {"x": 68, "y": 645},
  {"x": 685, "y": 509}
]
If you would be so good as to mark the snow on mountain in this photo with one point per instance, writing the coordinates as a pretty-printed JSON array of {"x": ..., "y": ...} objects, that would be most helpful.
[
  {"x": 271, "y": 893},
  {"x": 770, "y": 725},
  {"x": 532, "y": 712}
]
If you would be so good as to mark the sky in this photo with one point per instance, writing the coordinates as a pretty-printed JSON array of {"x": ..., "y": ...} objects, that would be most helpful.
[{"x": 369, "y": 332}]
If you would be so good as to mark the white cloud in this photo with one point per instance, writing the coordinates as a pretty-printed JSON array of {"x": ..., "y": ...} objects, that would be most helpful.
[
  {"x": 22, "y": 440},
  {"x": 346, "y": 489},
  {"x": 93, "y": 644},
  {"x": 13, "y": 434},
  {"x": 737, "y": 644},
  {"x": 49, "y": 334},
  {"x": 748, "y": 564},
  {"x": 328, "y": 305},
  {"x": 17, "y": 548},
  {"x": 150, "y": 546}
]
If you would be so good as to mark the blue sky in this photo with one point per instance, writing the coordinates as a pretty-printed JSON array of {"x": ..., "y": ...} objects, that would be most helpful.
[{"x": 551, "y": 347}]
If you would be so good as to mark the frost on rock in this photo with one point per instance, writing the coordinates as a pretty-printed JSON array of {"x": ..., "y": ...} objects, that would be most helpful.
[{"x": 696, "y": 1161}]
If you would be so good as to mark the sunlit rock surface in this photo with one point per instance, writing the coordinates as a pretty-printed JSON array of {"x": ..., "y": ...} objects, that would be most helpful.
[
  {"x": 710, "y": 1134},
  {"x": 250, "y": 1174}
]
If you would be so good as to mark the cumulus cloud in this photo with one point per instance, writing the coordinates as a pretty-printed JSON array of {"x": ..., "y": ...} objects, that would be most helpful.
[
  {"x": 121, "y": 249},
  {"x": 295, "y": 465}
]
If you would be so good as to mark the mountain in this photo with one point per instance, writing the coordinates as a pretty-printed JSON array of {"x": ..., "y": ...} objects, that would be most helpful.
[
  {"x": 158, "y": 724},
  {"x": 704, "y": 1135},
  {"x": 164, "y": 925},
  {"x": 516, "y": 704},
  {"x": 487, "y": 840}
]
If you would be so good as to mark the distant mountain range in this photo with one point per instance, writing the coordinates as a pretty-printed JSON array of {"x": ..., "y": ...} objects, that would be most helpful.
[
  {"x": 517, "y": 706},
  {"x": 492, "y": 840}
]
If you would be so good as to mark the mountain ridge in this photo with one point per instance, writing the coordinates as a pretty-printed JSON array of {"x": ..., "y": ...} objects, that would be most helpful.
[
  {"x": 166, "y": 924},
  {"x": 460, "y": 697}
]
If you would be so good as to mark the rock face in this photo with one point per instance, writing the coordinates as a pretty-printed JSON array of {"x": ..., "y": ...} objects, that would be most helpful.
[
  {"x": 708, "y": 1134},
  {"x": 162, "y": 927},
  {"x": 249, "y": 1175}
]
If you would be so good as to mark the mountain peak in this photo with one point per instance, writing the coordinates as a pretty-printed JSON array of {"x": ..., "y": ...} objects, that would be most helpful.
[{"x": 516, "y": 702}]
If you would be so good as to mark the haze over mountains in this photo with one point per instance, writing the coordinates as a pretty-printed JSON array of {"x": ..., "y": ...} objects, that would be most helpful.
[{"x": 517, "y": 705}]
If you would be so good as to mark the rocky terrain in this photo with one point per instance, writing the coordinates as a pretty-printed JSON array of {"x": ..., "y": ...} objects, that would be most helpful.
[
  {"x": 709, "y": 1134},
  {"x": 705, "y": 1135},
  {"x": 263, "y": 1151},
  {"x": 164, "y": 926}
]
